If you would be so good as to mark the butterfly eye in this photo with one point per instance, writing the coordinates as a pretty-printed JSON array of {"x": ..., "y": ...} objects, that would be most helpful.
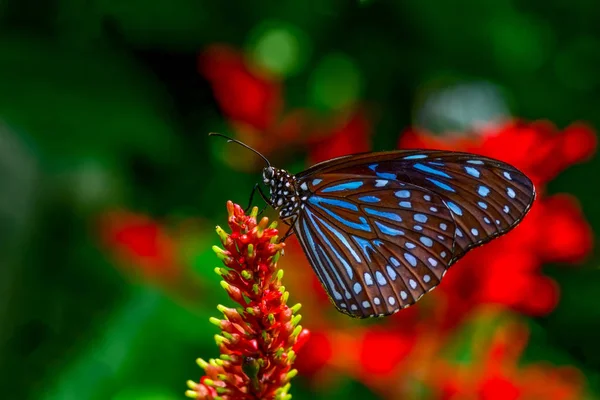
[{"x": 268, "y": 174}]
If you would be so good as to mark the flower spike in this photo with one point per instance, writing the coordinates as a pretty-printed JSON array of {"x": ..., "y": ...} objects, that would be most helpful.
[{"x": 255, "y": 335}]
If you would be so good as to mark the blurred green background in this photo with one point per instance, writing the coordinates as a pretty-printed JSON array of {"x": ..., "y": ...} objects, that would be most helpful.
[{"x": 104, "y": 113}]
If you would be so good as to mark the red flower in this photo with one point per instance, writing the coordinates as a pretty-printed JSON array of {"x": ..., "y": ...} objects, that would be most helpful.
[
  {"x": 508, "y": 270},
  {"x": 480, "y": 360},
  {"x": 139, "y": 241},
  {"x": 349, "y": 137},
  {"x": 536, "y": 148},
  {"x": 259, "y": 341},
  {"x": 245, "y": 93},
  {"x": 317, "y": 353},
  {"x": 382, "y": 350},
  {"x": 252, "y": 100},
  {"x": 494, "y": 371},
  {"x": 567, "y": 236}
]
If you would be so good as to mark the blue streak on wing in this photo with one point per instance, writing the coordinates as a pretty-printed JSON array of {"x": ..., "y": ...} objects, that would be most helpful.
[
  {"x": 430, "y": 170},
  {"x": 340, "y": 237},
  {"x": 383, "y": 214},
  {"x": 343, "y": 186},
  {"x": 365, "y": 245},
  {"x": 387, "y": 230},
  {"x": 362, "y": 226},
  {"x": 312, "y": 218},
  {"x": 316, "y": 262},
  {"x": 415, "y": 157},
  {"x": 335, "y": 272},
  {"x": 317, "y": 200},
  {"x": 369, "y": 199},
  {"x": 386, "y": 175},
  {"x": 441, "y": 185}
]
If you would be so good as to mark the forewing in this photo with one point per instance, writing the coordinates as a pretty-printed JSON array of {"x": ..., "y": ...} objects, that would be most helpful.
[{"x": 486, "y": 197}]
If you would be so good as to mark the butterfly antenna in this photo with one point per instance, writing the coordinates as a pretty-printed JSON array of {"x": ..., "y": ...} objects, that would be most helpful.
[{"x": 230, "y": 140}]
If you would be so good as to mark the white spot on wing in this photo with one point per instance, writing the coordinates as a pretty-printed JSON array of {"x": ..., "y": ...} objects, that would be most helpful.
[{"x": 380, "y": 278}]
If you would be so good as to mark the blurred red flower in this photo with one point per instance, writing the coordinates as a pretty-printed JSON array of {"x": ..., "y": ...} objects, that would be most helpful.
[
  {"x": 246, "y": 93},
  {"x": 351, "y": 135},
  {"x": 506, "y": 272},
  {"x": 536, "y": 148},
  {"x": 554, "y": 231},
  {"x": 140, "y": 242},
  {"x": 493, "y": 371},
  {"x": 252, "y": 100},
  {"x": 316, "y": 354},
  {"x": 381, "y": 350}
]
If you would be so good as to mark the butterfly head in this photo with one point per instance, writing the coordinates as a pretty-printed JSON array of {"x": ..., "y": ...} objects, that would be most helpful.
[
  {"x": 284, "y": 193},
  {"x": 285, "y": 196}
]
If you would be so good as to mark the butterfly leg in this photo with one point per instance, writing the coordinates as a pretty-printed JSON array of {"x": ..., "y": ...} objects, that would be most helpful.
[
  {"x": 257, "y": 187},
  {"x": 251, "y": 198},
  {"x": 262, "y": 210},
  {"x": 289, "y": 231}
]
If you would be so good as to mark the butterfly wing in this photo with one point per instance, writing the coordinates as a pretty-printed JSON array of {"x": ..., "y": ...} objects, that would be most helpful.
[
  {"x": 375, "y": 250},
  {"x": 486, "y": 197},
  {"x": 381, "y": 229}
]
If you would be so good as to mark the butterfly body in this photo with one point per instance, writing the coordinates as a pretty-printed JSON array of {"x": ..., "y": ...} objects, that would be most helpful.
[
  {"x": 381, "y": 229},
  {"x": 285, "y": 195}
]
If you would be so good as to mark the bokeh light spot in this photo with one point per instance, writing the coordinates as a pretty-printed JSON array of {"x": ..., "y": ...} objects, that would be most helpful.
[
  {"x": 279, "y": 47},
  {"x": 458, "y": 107},
  {"x": 335, "y": 83}
]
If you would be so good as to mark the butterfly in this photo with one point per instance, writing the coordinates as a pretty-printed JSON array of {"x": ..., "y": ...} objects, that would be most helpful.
[{"x": 381, "y": 229}]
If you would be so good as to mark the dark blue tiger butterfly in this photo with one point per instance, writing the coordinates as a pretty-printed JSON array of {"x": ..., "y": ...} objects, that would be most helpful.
[{"x": 381, "y": 229}]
